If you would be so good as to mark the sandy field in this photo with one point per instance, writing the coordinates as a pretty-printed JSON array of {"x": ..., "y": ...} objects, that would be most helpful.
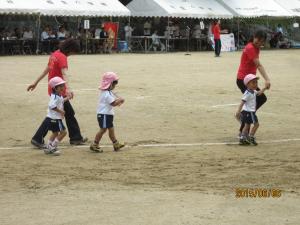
[{"x": 182, "y": 164}]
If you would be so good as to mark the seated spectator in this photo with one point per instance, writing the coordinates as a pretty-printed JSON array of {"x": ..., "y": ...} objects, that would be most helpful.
[
  {"x": 156, "y": 42},
  {"x": 61, "y": 34},
  {"x": 28, "y": 34},
  {"x": 45, "y": 34}
]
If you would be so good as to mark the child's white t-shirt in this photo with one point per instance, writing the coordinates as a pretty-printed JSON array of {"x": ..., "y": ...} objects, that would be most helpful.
[
  {"x": 104, "y": 104},
  {"x": 56, "y": 101},
  {"x": 249, "y": 98}
]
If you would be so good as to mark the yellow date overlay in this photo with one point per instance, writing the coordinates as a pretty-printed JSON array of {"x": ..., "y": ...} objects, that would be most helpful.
[{"x": 257, "y": 193}]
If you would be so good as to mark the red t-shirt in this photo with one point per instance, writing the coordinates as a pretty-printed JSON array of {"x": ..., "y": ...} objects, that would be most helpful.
[
  {"x": 57, "y": 62},
  {"x": 216, "y": 31},
  {"x": 247, "y": 64}
]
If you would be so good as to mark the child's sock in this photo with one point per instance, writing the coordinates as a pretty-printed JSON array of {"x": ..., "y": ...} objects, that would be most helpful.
[
  {"x": 49, "y": 142},
  {"x": 55, "y": 142}
]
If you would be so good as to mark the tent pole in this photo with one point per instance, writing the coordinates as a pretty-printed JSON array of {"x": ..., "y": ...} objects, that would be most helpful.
[
  {"x": 238, "y": 35},
  {"x": 168, "y": 33},
  {"x": 38, "y": 34}
]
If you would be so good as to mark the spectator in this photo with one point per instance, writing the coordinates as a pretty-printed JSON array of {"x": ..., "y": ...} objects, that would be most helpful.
[
  {"x": 61, "y": 34},
  {"x": 147, "y": 28},
  {"x": 156, "y": 42},
  {"x": 128, "y": 34}
]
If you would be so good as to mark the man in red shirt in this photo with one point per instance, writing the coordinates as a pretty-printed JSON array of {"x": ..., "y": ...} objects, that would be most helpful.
[
  {"x": 58, "y": 66},
  {"x": 216, "y": 30},
  {"x": 250, "y": 63}
]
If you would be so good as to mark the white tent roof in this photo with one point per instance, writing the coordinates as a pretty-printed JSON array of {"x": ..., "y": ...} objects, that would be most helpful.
[
  {"x": 17, "y": 7},
  {"x": 178, "y": 8},
  {"x": 65, "y": 7},
  {"x": 255, "y": 8},
  {"x": 293, "y": 6}
]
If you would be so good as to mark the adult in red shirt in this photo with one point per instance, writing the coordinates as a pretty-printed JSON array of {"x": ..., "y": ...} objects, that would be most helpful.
[
  {"x": 216, "y": 30},
  {"x": 250, "y": 63},
  {"x": 58, "y": 66}
]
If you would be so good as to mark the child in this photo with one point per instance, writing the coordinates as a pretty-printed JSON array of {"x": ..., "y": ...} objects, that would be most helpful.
[
  {"x": 247, "y": 108},
  {"x": 55, "y": 115},
  {"x": 105, "y": 111}
]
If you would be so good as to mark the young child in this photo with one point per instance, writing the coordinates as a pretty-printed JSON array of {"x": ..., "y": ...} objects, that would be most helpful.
[
  {"x": 105, "y": 111},
  {"x": 55, "y": 115},
  {"x": 247, "y": 108}
]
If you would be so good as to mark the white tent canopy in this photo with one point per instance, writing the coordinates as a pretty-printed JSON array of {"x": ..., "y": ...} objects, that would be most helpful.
[
  {"x": 64, "y": 7},
  {"x": 255, "y": 8},
  {"x": 178, "y": 8},
  {"x": 17, "y": 7},
  {"x": 293, "y": 6}
]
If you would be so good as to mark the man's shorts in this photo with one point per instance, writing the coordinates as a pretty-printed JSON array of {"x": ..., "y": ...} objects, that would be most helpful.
[
  {"x": 55, "y": 125},
  {"x": 249, "y": 117},
  {"x": 105, "y": 121}
]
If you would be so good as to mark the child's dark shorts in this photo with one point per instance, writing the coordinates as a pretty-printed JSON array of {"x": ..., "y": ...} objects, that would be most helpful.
[
  {"x": 249, "y": 117},
  {"x": 55, "y": 125},
  {"x": 105, "y": 121}
]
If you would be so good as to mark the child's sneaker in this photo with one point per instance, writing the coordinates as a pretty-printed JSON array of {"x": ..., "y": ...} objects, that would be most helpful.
[
  {"x": 117, "y": 146},
  {"x": 95, "y": 148},
  {"x": 253, "y": 141},
  {"x": 54, "y": 151},
  {"x": 244, "y": 141}
]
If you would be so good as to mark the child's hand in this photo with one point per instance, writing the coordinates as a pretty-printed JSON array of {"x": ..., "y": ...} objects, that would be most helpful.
[
  {"x": 122, "y": 100},
  {"x": 238, "y": 115},
  {"x": 62, "y": 113}
]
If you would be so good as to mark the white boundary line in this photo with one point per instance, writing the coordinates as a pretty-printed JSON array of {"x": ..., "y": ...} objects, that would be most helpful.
[
  {"x": 225, "y": 105},
  {"x": 165, "y": 145}
]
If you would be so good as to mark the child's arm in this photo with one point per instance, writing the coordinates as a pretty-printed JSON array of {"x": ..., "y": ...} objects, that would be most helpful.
[
  {"x": 238, "y": 112},
  {"x": 261, "y": 91},
  {"x": 119, "y": 101},
  {"x": 59, "y": 111}
]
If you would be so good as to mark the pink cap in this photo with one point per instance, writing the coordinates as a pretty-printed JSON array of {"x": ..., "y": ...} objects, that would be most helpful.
[
  {"x": 249, "y": 77},
  {"x": 55, "y": 81},
  {"x": 107, "y": 79}
]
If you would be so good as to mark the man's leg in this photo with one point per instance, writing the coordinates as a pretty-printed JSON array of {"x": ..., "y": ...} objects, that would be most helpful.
[
  {"x": 72, "y": 124},
  {"x": 38, "y": 138}
]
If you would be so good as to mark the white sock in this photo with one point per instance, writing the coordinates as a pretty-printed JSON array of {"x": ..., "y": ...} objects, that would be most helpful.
[{"x": 55, "y": 142}]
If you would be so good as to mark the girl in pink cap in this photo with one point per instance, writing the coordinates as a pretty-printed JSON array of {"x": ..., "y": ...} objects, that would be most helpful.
[
  {"x": 55, "y": 115},
  {"x": 105, "y": 111},
  {"x": 247, "y": 108}
]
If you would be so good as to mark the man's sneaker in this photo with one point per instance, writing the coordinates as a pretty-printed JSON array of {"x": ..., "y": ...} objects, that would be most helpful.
[
  {"x": 253, "y": 141},
  {"x": 37, "y": 144},
  {"x": 95, "y": 148},
  {"x": 117, "y": 146},
  {"x": 79, "y": 142},
  {"x": 244, "y": 141}
]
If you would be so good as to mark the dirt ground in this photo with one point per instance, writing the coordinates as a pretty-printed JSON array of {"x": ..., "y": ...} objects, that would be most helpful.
[{"x": 182, "y": 165}]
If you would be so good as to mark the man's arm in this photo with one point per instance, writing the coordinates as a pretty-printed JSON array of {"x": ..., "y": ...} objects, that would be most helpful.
[
  {"x": 69, "y": 92},
  {"x": 31, "y": 87},
  {"x": 263, "y": 72}
]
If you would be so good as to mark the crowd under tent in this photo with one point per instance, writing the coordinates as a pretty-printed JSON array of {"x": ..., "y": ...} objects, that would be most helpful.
[{"x": 178, "y": 9}]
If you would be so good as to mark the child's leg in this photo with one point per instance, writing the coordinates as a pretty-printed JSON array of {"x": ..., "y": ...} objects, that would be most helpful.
[
  {"x": 254, "y": 129},
  {"x": 59, "y": 138},
  {"x": 99, "y": 135},
  {"x": 245, "y": 130},
  {"x": 112, "y": 136}
]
